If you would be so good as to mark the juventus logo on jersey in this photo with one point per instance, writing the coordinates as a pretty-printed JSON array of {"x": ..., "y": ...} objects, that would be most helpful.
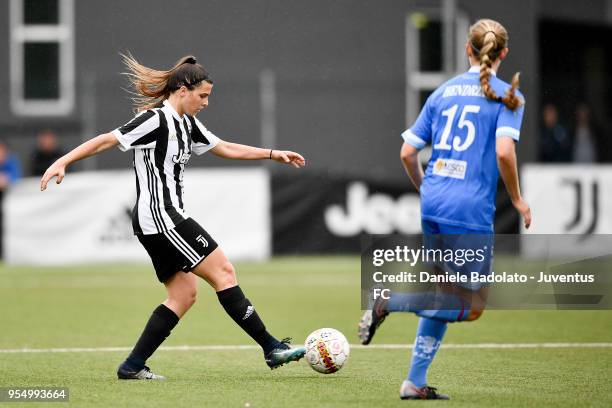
[
  {"x": 202, "y": 240},
  {"x": 173, "y": 136},
  {"x": 181, "y": 158}
]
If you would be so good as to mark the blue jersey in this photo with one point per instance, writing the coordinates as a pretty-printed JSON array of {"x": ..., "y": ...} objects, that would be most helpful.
[{"x": 462, "y": 125}]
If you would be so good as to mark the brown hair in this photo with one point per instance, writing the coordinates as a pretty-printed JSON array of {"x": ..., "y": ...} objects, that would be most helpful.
[
  {"x": 488, "y": 38},
  {"x": 151, "y": 86}
]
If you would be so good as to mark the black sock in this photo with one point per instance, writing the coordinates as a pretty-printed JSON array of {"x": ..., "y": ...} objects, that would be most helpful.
[
  {"x": 159, "y": 326},
  {"x": 242, "y": 311}
]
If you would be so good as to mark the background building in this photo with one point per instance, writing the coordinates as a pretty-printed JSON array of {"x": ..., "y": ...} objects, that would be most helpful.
[
  {"x": 338, "y": 71},
  {"x": 337, "y": 81}
]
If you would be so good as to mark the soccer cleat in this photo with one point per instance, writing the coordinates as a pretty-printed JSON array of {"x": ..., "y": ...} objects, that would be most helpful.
[
  {"x": 284, "y": 354},
  {"x": 409, "y": 391},
  {"x": 125, "y": 373},
  {"x": 371, "y": 320}
]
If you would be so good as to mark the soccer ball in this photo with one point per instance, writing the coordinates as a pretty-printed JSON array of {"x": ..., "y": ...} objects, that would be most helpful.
[{"x": 326, "y": 350}]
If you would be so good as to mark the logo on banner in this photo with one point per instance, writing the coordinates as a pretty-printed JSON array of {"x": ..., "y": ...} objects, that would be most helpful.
[
  {"x": 374, "y": 214},
  {"x": 118, "y": 228},
  {"x": 586, "y": 214}
]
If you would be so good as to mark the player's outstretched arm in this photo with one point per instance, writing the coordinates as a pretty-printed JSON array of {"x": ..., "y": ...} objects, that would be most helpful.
[
  {"x": 91, "y": 147},
  {"x": 410, "y": 159},
  {"x": 506, "y": 161},
  {"x": 237, "y": 151}
]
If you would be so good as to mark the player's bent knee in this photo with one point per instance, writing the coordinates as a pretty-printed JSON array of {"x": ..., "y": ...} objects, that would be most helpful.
[
  {"x": 185, "y": 300},
  {"x": 190, "y": 298},
  {"x": 227, "y": 274},
  {"x": 184, "y": 297},
  {"x": 474, "y": 315}
]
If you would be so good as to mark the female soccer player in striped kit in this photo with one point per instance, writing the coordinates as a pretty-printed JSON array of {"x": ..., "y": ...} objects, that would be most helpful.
[
  {"x": 472, "y": 130},
  {"x": 162, "y": 137}
]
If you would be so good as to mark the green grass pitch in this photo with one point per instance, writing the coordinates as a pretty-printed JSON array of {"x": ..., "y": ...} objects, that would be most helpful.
[{"x": 107, "y": 306}]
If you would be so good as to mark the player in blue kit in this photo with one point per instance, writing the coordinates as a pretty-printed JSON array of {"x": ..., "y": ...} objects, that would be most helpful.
[{"x": 472, "y": 129}]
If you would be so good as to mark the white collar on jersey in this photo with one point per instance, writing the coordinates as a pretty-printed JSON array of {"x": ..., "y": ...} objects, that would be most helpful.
[
  {"x": 476, "y": 69},
  {"x": 172, "y": 111}
]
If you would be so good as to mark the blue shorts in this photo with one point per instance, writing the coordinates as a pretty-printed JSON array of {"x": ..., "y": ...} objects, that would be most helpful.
[
  {"x": 472, "y": 250},
  {"x": 436, "y": 228}
]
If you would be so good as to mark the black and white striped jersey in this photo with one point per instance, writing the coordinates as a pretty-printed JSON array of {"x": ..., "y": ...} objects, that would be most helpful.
[{"x": 162, "y": 143}]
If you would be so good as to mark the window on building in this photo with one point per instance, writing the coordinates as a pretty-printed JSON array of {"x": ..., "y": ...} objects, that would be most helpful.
[
  {"x": 432, "y": 56},
  {"x": 42, "y": 57}
]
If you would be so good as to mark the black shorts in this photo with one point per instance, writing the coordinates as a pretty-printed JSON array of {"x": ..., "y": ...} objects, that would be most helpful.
[{"x": 179, "y": 249}]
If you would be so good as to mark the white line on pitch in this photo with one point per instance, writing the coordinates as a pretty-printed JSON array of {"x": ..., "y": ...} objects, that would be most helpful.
[
  {"x": 492, "y": 346},
  {"x": 354, "y": 346}
]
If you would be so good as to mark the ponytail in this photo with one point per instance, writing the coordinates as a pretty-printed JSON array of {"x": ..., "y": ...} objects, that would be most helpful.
[
  {"x": 492, "y": 38},
  {"x": 151, "y": 86}
]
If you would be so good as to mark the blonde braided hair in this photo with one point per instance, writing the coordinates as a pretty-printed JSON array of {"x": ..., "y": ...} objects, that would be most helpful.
[{"x": 488, "y": 38}]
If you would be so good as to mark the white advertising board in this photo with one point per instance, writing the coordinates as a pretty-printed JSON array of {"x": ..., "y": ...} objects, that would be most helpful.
[
  {"x": 88, "y": 217},
  {"x": 573, "y": 201}
]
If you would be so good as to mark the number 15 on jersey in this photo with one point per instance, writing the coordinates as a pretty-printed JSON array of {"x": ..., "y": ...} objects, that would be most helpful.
[{"x": 464, "y": 122}]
